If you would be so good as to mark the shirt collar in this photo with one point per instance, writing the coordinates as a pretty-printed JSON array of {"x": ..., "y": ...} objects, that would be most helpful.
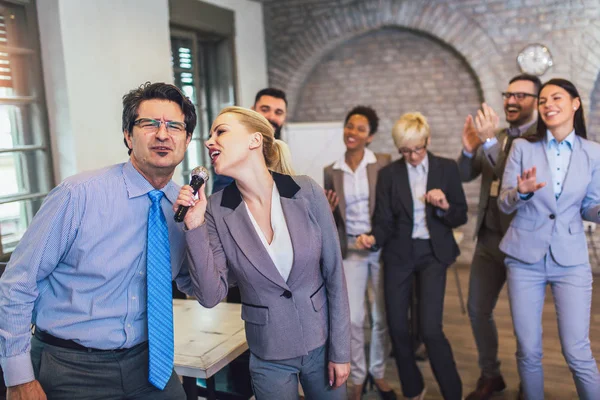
[
  {"x": 551, "y": 140},
  {"x": 523, "y": 128},
  {"x": 137, "y": 185},
  {"x": 368, "y": 158},
  {"x": 424, "y": 166}
]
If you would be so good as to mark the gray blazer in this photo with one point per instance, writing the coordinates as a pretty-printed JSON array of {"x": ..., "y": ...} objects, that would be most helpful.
[
  {"x": 283, "y": 319},
  {"x": 334, "y": 180},
  {"x": 489, "y": 164},
  {"x": 542, "y": 222}
]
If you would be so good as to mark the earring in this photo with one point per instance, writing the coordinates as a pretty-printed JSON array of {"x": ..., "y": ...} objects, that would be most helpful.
[{"x": 574, "y": 108}]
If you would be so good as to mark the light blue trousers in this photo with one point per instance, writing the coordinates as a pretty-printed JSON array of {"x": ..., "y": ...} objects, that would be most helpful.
[{"x": 572, "y": 292}]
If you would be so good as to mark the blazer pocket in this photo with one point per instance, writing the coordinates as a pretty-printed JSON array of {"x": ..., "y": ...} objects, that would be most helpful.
[
  {"x": 576, "y": 227},
  {"x": 253, "y": 314},
  {"x": 319, "y": 297},
  {"x": 524, "y": 223}
]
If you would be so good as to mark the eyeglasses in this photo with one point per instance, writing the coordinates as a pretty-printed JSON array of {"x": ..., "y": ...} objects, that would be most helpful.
[
  {"x": 149, "y": 125},
  {"x": 518, "y": 95},
  {"x": 417, "y": 150}
]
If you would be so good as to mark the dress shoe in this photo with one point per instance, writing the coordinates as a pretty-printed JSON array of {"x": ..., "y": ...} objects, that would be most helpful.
[
  {"x": 385, "y": 395},
  {"x": 487, "y": 387},
  {"x": 419, "y": 397}
]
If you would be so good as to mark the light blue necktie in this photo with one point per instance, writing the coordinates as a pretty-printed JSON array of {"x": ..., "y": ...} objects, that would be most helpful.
[{"x": 159, "y": 296}]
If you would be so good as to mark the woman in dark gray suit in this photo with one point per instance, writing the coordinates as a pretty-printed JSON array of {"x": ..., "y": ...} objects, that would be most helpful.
[{"x": 275, "y": 237}]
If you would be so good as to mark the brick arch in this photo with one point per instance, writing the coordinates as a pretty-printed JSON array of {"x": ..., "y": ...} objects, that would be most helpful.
[
  {"x": 290, "y": 70},
  {"x": 586, "y": 73}
]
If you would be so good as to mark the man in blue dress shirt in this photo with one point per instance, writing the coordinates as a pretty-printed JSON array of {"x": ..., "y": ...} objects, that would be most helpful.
[{"x": 79, "y": 273}]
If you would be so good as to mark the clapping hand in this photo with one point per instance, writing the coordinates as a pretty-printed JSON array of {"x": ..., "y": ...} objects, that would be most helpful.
[
  {"x": 527, "y": 183},
  {"x": 486, "y": 122},
  {"x": 470, "y": 138}
]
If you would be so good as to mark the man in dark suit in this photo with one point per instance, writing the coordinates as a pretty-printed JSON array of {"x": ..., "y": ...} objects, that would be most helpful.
[
  {"x": 419, "y": 200},
  {"x": 485, "y": 151}
]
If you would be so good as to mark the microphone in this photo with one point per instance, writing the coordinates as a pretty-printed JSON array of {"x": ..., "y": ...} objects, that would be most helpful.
[{"x": 199, "y": 177}]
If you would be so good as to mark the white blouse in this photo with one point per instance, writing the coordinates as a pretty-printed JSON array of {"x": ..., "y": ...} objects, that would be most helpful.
[{"x": 280, "y": 250}]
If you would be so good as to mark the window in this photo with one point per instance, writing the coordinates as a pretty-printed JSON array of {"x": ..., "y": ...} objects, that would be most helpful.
[
  {"x": 25, "y": 165},
  {"x": 203, "y": 69}
]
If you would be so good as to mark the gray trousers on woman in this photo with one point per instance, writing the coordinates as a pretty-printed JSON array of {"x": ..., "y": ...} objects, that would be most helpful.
[
  {"x": 78, "y": 374},
  {"x": 278, "y": 380}
]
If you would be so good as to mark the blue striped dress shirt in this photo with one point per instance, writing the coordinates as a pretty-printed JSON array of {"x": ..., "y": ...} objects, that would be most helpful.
[{"x": 79, "y": 272}]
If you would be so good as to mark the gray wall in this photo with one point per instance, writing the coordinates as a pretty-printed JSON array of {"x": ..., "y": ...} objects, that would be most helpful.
[{"x": 440, "y": 57}]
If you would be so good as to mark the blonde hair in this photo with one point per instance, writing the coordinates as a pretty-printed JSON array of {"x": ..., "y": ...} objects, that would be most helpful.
[
  {"x": 410, "y": 128},
  {"x": 276, "y": 152}
]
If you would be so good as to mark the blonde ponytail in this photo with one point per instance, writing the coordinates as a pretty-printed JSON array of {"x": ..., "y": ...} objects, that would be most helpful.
[{"x": 282, "y": 162}]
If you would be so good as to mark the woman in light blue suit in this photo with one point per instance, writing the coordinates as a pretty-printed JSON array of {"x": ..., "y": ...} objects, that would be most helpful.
[{"x": 552, "y": 181}]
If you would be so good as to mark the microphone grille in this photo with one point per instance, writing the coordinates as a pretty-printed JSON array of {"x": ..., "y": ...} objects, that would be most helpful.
[{"x": 201, "y": 172}]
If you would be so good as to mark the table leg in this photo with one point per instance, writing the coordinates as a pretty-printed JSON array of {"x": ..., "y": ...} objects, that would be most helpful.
[
  {"x": 190, "y": 387},
  {"x": 211, "y": 389}
]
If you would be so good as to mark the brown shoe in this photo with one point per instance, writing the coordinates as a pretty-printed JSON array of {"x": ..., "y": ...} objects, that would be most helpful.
[{"x": 487, "y": 387}]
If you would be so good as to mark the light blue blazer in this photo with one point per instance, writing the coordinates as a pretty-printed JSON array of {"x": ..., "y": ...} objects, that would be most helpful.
[{"x": 543, "y": 222}]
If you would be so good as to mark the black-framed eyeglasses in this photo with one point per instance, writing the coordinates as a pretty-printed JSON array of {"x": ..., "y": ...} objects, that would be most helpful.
[
  {"x": 417, "y": 150},
  {"x": 517, "y": 95},
  {"x": 150, "y": 125}
]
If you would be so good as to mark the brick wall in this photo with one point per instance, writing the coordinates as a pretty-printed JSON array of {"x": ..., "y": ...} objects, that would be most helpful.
[{"x": 324, "y": 53}]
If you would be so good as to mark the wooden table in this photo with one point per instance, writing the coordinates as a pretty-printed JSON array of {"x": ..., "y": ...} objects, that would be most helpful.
[{"x": 206, "y": 340}]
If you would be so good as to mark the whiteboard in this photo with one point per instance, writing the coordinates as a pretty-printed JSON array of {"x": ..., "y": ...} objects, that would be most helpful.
[{"x": 314, "y": 145}]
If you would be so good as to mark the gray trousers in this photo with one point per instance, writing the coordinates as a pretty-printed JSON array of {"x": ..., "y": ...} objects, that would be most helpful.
[
  {"x": 76, "y": 374},
  {"x": 488, "y": 274},
  {"x": 278, "y": 380}
]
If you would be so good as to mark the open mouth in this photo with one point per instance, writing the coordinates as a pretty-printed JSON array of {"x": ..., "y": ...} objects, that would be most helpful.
[{"x": 214, "y": 154}]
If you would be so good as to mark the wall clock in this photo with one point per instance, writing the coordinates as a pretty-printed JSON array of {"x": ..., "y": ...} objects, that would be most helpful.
[{"x": 535, "y": 59}]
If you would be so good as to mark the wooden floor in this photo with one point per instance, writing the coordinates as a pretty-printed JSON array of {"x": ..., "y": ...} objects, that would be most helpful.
[{"x": 558, "y": 380}]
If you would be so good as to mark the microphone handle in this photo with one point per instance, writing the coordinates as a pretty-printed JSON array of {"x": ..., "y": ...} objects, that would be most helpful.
[{"x": 195, "y": 183}]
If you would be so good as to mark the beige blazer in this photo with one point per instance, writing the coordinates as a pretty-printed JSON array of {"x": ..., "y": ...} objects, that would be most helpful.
[
  {"x": 334, "y": 180},
  {"x": 283, "y": 319}
]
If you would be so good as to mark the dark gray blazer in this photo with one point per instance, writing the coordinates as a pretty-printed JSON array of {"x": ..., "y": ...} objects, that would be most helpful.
[
  {"x": 489, "y": 164},
  {"x": 333, "y": 179},
  {"x": 283, "y": 319}
]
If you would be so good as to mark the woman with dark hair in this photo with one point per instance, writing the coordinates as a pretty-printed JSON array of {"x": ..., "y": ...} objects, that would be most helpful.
[
  {"x": 350, "y": 186},
  {"x": 552, "y": 182}
]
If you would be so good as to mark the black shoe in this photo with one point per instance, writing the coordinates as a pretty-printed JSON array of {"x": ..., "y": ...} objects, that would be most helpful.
[
  {"x": 389, "y": 395},
  {"x": 487, "y": 387},
  {"x": 368, "y": 382}
]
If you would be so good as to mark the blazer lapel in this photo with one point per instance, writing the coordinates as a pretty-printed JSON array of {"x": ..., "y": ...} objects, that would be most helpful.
[
  {"x": 243, "y": 233},
  {"x": 405, "y": 193},
  {"x": 338, "y": 186},
  {"x": 298, "y": 222},
  {"x": 372, "y": 179},
  {"x": 433, "y": 179}
]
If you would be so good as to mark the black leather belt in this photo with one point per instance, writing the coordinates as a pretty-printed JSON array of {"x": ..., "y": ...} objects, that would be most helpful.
[{"x": 47, "y": 338}]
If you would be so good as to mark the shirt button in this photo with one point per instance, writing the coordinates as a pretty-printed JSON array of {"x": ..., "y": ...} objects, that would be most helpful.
[
  {"x": 133, "y": 297},
  {"x": 552, "y": 216},
  {"x": 129, "y": 325}
]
